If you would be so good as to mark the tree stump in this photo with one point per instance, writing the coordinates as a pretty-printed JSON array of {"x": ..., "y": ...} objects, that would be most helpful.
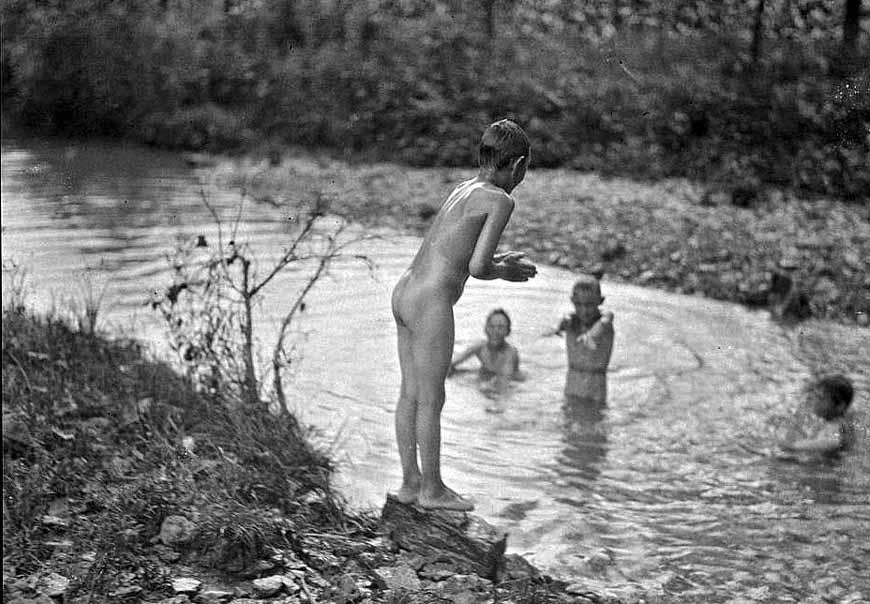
[{"x": 465, "y": 541}]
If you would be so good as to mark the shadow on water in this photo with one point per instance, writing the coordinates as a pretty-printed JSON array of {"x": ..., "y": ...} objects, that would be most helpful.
[{"x": 664, "y": 491}]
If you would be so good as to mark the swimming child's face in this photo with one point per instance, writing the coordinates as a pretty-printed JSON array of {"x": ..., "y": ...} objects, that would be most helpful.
[
  {"x": 497, "y": 329},
  {"x": 586, "y": 303}
]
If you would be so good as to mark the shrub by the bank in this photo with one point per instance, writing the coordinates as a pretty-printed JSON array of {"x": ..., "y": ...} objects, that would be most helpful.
[
  {"x": 101, "y": 445},
  {"x": 643, "y": 89}
]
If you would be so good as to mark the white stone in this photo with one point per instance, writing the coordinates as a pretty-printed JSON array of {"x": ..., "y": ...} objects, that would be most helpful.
[
  {"x": 53, "y": 585},
  {"x": 399, "y": 577},
  {"x": 185, "y": 585},
  {"x": 268, "y": 586}
]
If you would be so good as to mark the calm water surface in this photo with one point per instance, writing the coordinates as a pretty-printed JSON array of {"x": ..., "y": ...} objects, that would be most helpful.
[{"x": 665, "y": 494}]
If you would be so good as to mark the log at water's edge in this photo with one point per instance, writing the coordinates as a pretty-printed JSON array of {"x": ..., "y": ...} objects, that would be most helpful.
[{"x": 466, "y": 541}]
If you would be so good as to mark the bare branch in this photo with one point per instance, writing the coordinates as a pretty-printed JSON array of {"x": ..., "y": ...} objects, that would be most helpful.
[
  {"x": 285, "y": 323},
  {"x": 239, "y": 213},
  {"x": 290, "y": 255}
]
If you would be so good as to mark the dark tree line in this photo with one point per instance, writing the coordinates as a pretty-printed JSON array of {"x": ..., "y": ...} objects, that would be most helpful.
[{"x": 757, "y": 90}]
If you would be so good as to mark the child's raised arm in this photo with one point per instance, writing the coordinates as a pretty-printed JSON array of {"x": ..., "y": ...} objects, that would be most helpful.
[
  {"x": 484, "y": 263},
  {"x": 604, "y": 324},
  {"x": 558, "y": 329},
  {"x": 464, "y": 356}
]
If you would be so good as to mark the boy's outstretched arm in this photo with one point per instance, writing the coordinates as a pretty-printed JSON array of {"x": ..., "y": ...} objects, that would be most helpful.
[
  {"x": 558, "y": 329},
  {"x": 462, "y": 357},
  {"x": 484, "y": 263},
  {"x": 602, "y": 325}
]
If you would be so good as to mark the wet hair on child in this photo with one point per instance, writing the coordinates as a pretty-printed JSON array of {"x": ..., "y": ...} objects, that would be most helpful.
[
  {"x": 501, "y": 143},
  {"x": 587, "y": 283},
  {"x": 502, "y": 312},
  {"x": 837, "y": 389}
]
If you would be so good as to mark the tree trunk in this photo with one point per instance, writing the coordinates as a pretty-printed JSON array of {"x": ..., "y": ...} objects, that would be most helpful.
[
  {"x": 757, "y": 33},
  {"x": 251, "y": 394},
  {"x": 851, "y": 26},
  {"x": 489, "y": 18}
]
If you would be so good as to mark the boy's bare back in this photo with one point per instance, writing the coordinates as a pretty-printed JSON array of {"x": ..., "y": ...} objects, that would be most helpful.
[{"x": 456, "y": 245}]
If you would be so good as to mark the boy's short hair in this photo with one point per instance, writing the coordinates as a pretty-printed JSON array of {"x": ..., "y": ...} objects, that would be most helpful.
[
  {"x": 499, "y": 311},
  {"x": 588, "y": 283},
  {"x": 501, "y": 143},
  {"x": 838, "y": 390}
]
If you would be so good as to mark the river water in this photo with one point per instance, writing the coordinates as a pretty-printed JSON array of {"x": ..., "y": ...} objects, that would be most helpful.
[{"x": 666, "y": 494}]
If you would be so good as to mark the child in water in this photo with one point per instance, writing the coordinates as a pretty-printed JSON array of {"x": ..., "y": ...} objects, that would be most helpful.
[
  {"x": 461, "y": 242},
  {"x": 823, "y": 423},
  {"x": 588, "y": 342},
  {"x": 499, "y": 360}
]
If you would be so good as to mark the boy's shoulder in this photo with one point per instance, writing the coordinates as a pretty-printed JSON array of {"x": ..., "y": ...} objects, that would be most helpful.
[{"x": 486, "y": 194}]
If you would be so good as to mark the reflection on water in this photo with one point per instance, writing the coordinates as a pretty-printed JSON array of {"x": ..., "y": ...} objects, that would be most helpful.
[
  {"x": 665, "y": 489},
  {"x": 585, "y": 436}
]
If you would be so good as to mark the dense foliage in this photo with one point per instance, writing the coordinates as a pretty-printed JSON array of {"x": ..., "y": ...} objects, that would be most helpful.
[{"x": 714, "y": 90}]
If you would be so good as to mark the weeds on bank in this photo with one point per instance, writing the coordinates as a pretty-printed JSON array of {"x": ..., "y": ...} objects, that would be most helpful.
[
  {"x": 211, "y": 307},
  {"x": 101, "y": 444}
]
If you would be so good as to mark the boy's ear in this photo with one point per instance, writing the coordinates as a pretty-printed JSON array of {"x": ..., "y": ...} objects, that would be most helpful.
[{"x": 519, "y": 164}]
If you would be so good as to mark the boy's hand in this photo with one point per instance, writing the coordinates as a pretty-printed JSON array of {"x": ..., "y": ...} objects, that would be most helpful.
[
  {"x": 508, "y": 257},
  {"x": 512, "y": 267}
]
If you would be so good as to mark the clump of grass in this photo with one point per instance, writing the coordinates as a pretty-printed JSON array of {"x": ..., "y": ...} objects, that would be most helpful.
[
  {"x": 89, "y": 305},
  {"x": 15, "y": 286},
  {"x": 234, "y": 535}
]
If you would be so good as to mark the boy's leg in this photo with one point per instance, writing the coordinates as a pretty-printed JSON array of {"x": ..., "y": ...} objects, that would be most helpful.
[
  {"x": 406, "y": 419},
  {"x": 432, "y": 350}
]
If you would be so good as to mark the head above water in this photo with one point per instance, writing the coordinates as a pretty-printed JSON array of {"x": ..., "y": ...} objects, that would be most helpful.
[
  {"x": 586, "y": 298},
  {"x": 504, "y": 153},
  {"x": 831, "y": 396},
  {"x": 587, "y": 290},
  {"x": 498, "y": 324}
]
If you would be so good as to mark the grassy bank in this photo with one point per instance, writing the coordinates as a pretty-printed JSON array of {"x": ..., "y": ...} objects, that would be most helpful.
[
  {"x": 101, "y": 445},
  {"x": 671, "y": 235},
  {"x": 122, "y": 483},
  {"x": 649, "y": 89}
]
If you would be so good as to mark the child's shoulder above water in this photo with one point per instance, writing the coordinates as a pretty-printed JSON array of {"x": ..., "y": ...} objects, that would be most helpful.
[{"x": 823, "y": 422}]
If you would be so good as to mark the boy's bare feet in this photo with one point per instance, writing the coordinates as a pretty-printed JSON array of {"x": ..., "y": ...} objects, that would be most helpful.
[
  {"x": 446, "y": 499},
  {"x": 408, "y": 493}
]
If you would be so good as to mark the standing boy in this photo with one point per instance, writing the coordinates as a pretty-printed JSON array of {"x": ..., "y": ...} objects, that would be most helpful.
[
  {"x": 460, "y": 243},
  {"x": 588, "y": 342}
]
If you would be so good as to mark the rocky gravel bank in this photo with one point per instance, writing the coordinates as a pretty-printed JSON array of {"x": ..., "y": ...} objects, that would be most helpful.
[{"x": 674, "y": 234}]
